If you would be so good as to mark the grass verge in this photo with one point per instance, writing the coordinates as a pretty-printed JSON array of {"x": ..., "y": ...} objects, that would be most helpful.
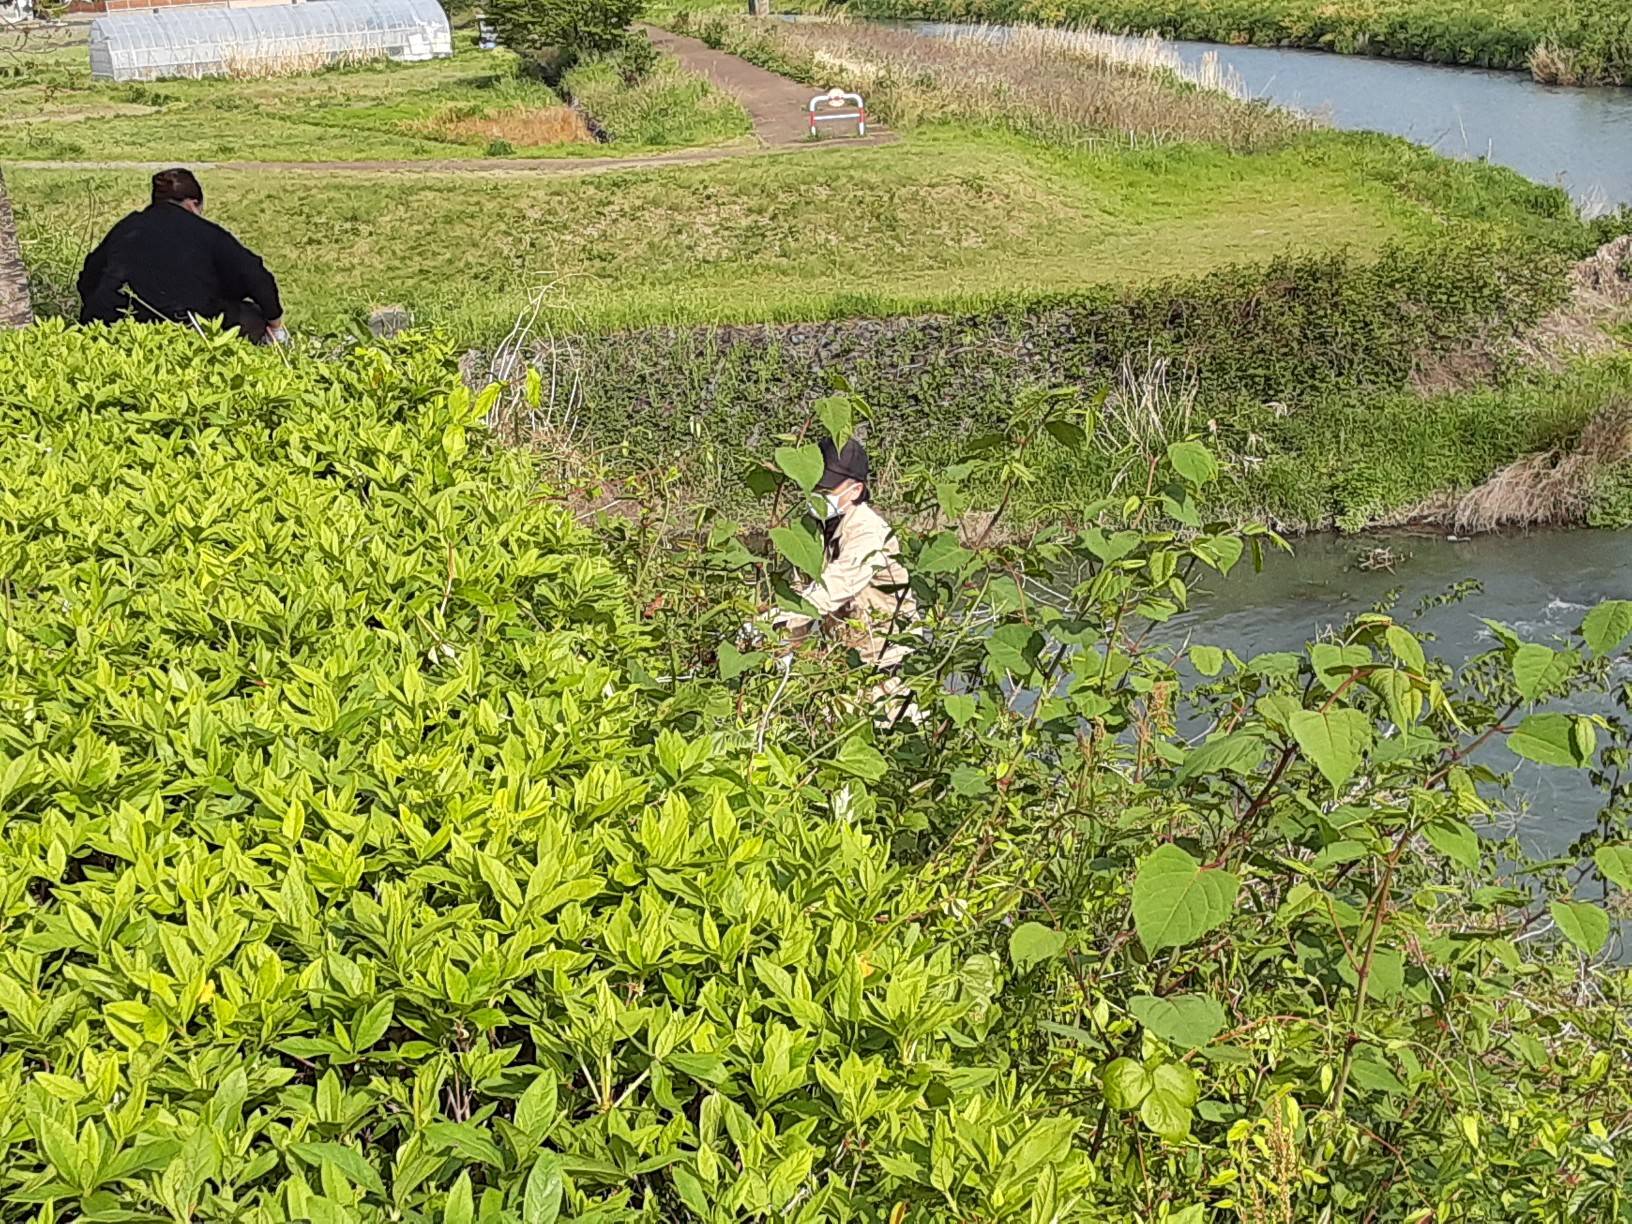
[{"x": 949, "y": 219}]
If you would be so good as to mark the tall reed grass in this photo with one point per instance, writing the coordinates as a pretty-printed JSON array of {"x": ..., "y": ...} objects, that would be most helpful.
[{"x": 1076, "y": 87}]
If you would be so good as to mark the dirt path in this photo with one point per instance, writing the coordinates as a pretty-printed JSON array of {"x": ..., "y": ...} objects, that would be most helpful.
[{"x": 776, "y": 104}]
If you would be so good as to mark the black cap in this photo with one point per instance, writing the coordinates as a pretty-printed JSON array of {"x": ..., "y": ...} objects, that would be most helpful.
[{"x": 840, "y": 464}]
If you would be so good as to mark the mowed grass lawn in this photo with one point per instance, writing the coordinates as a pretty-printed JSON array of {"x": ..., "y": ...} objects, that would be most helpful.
[
  {"x": 943, "y": 219},
  {"x": 475, "y": 104}
]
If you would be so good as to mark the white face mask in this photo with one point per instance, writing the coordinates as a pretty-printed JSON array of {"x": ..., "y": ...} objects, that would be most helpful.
[{"x": 829, "y": 509}]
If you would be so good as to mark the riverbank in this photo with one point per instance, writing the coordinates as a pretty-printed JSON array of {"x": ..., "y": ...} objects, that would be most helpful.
[{"x": 1559, "y": 42}]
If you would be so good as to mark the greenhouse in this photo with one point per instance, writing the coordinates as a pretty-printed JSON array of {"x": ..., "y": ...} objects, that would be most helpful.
[{"x": 265, "y": 41}]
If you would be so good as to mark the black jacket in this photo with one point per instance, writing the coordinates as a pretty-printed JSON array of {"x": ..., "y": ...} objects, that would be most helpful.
[{"x": 168, "y": 263}]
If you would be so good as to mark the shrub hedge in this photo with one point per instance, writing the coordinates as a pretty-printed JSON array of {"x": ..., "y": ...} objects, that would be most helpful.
[{"x": 346, "y": 874}]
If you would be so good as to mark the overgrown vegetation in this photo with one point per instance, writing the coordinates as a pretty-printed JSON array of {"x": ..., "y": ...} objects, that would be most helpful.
[
  {"x": 382, "y": 844},
  {"x": 1568, "y": 42},
  {"x": 571, "y": 28},
  {"x": 657, "y": 104},
  {"x": 1068, "y": 88}
]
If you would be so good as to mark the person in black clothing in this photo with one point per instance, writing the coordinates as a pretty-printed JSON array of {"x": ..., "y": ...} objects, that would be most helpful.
[{"x": 167, "y": 263}]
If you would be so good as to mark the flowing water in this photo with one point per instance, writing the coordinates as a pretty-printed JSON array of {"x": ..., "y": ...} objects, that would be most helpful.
[
  {"x": 1541, "y": 584},
  {"x": 1578, "y": 139}
]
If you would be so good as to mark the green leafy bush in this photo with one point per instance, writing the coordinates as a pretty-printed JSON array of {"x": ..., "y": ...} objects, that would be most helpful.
[
  {"x": 573, "y": 27},
  {"x": 368, "y": 856}
]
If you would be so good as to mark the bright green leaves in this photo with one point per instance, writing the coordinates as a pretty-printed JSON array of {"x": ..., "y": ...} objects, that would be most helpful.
[
  {"x": 1335, "y": 664},
  {"x": 1208, "y": 660},
  {"x": 1539, "y": 671},
  {"x": 1403, "y": 644},
  {"x": 1014, "y": 649},
  {"x": 1614, "y": 863},
  {"x": 801, "y": 464},
  {"x": 733, "y": 662},
  {"x": 1608, "y": 625},
  {"x": 541, "y": 1201},
  {"x": 1176, "y": 900},
  {"x": 1187, "y": 1021},
  {"x": 1031, "y": 943},
  {"x": 1193, "y": 461},
  {"x": 837, "y": 413},
  {"x": 1165, "y": 1095},
  {"x": 861, "y": 760},
  {"x": 347, "y": 1161},
  {"x": 1335, "y": 739},
  {"x": 942, "y": 555},
  {"x": 1584, "y": 925},
  {"x": 1239, "y": 752},
  {"x": 536, "y": 1108},
  {"x": 800, "y": 544},
  {"x": 1554, "y": 739}
]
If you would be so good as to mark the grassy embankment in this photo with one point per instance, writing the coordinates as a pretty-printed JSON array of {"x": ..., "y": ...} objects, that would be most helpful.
[
  {"x": 1057, "y": 175},
  {"x": 475, "y": 104},
  {"x": 1562, "y": 42}
]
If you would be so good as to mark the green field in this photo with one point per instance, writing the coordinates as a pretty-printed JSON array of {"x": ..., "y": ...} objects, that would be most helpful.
[
  {"x": 472, "y": 105},
  {"x": 948, "y": 217}
]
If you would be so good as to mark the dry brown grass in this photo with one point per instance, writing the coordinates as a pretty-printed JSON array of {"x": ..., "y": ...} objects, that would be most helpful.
[
  {"x": 255, "y": 63},
  {"x": 1551, "y": 488},
  {"x": 1076, "y": 87},
  {"x": 524, "y": 127},
  {"x": 1600, "y": 301}
]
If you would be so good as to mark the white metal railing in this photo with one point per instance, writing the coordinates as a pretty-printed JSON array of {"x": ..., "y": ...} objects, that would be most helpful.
[{"x": 841, "y": 107}]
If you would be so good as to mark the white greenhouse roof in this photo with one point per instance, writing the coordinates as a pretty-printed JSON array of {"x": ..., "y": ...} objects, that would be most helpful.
[{"x": 192, "y": 41}]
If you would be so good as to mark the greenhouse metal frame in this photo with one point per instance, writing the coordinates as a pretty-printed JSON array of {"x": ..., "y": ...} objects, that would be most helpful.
[{"x": 194, "y": 42}]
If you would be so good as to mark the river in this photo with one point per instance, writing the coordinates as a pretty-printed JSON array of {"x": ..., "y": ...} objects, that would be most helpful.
[
  {"x": 1541, "y": 584},
  {"x": 1578, "y": 139}
]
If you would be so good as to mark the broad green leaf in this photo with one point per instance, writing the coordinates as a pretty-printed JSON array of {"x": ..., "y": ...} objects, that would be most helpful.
[
  {"x": 1013, "y": 649},
  {"x": 800, "y": 544},
  {"x": 734, "y": 662},
  {"x": 1335, "y": 740},
  {"x": 347, "y": 1160},
  {"x": 1335, "y": 664},
  {"x": 1193, "y": 461},
  {"x": 1066, "y": 433},
  {"x": 1615, "y": 864},
  {"x": 1405, "y": 647},
  {"x": 460, "y": 1208},
  {"x": 1373, "y": 1075},
  {"x": 1188, "y": 1021},
  {"x": 1607, "y": 625},
  {"x": 542, "y": 1201},
  {"x": 1126, "y": 1084},
  {"x": 859, "y": 758},
  {"x": 802, "y": 464},
  {"x": 1545, "y": 739},
  {"x": 1175, "y": 899},
  {"x": 373, "y": 1024},
  {"x": 1583, "y": 924},
  {"x": 1032, "y": 943},
  {"x": 1454, "y": 839},
  {"x": 1237, "y": 753},
  {"x": 970, "y": 782},
  {"x": 467, "y": 1139},
  {"x": 535, "y": 1110},
  {"x": 838, "y": 416},
  {"x": 1538, "y": 670},
  {"x": 1208, "y": 660},
  {"x": 942, "y": 555},
  {"x": 1166, "y": 1110},
  {"x": 960, "y": 707}
]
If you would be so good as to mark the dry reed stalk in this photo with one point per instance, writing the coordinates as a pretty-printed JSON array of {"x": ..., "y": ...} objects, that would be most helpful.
[
  {"x": 1551, "y": 488},
  {"x": 1150, "y": 407}
]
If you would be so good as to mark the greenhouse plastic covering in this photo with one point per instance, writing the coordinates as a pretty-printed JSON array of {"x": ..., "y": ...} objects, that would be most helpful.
[{"x": 190, "y": 42}]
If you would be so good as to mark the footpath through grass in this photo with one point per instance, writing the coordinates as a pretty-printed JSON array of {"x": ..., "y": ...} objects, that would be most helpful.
[
  {"x": 948, "y": 218},
  {"x": 475, "y": 104}
]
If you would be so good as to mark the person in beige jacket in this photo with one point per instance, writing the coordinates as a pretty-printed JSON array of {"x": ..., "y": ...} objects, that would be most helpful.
[{"x": 862, "y": 595}]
